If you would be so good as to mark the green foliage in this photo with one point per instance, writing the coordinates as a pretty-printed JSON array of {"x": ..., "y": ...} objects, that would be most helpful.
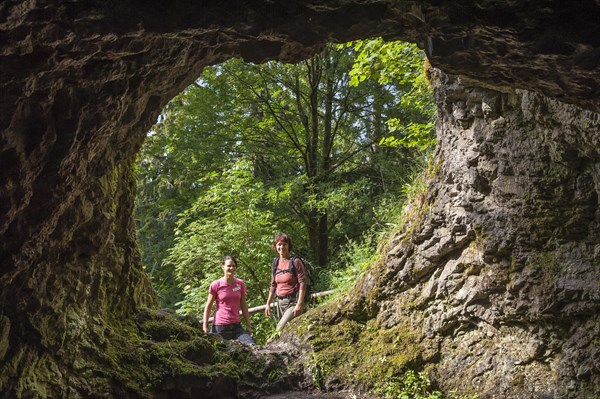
[
  {"x": 263, "y": 328},
  {"x": 228, "y": 218},
  {"x": 321, "y": 152},
  {"x": 179, "y": 150},
  {"x": 399, "y": 63},
  {"x": 412, "y": 135},
  {"x": 251, "y": 150},
  {"x": 354, "y": 259},
  {"x": 357, "y": 255},
  {"x": 412, "y": 386},
  {"x": 415, "y": 386}
]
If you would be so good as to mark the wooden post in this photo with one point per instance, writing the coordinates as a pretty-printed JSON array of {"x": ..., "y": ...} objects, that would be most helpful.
[{"x": 257, "y": 309}]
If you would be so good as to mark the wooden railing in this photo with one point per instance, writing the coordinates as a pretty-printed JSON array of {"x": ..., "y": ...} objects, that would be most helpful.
[{"x": 257, "y": 309}]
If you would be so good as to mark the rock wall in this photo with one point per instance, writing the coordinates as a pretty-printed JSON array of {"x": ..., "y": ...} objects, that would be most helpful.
[
  {"x": 81, "y": 82},
  {"x": 493, "y": 284},
  {"x": 502, "y": 269}
]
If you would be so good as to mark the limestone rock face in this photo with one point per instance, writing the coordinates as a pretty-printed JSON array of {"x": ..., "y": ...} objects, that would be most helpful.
[
  {"x": 81, "y": 82},
  {"x": 492, "y": 284},
  {"x": 499, "y": 268}
]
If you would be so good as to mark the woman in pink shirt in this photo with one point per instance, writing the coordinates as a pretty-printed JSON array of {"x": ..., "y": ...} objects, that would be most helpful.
[{"x": 229, "y": 293}]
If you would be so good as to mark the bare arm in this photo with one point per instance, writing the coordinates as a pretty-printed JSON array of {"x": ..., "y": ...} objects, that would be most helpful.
[
  {"x": 301, "y": 275},
  {"x": 245, "y": 313},
  {"x": 300, "y": 303},
  {"x": 207, "y": 309},
  {"x": 269, "y": 300}
]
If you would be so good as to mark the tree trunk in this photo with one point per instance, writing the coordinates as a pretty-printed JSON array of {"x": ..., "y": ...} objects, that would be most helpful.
[{"x": 323, "y": 246}]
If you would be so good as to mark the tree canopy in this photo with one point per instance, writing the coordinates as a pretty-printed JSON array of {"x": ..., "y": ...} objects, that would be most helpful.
[{"x": 314, "y": 149}]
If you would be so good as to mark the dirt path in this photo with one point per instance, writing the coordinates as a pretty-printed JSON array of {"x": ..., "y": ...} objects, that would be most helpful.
[{"x": 315, "y": 395}]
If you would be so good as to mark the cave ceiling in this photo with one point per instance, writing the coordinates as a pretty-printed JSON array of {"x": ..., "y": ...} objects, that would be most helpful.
[{"x": 81, "y": 82}]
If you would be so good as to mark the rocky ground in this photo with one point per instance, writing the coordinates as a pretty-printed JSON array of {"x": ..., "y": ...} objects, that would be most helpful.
[{"x": 309, "y": 395}]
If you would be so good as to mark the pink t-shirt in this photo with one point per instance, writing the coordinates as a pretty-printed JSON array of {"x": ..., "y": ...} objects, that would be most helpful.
[{"x": 227, "y": 297}]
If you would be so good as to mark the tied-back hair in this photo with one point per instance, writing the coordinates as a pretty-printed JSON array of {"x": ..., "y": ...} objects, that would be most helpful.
[
  {"x": 228, "y": 257},
  {"x": 282, "y": 237}
]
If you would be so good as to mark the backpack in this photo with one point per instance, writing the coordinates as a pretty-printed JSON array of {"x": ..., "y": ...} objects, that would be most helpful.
[{"x": 308, "y": 274}]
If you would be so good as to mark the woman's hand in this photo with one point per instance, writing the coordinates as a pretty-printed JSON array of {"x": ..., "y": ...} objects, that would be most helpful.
[
  {"x": 297, "y": 310},
  {"x": 268, "y": 305}
]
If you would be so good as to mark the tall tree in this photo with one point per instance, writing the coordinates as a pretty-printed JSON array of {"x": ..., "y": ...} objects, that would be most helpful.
[
  {"x": 188, "y": 142},
  {"x": 324, "y": 135},
  {"x": 311, "y": 139},
  {"x": 228, "y": 218}
]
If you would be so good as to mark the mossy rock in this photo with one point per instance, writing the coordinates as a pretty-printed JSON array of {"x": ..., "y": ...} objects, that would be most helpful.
[{"x": 339, "y": 353}]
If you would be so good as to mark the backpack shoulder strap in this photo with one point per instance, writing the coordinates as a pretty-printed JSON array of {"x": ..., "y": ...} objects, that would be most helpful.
[{"x": 292, "y": 267}]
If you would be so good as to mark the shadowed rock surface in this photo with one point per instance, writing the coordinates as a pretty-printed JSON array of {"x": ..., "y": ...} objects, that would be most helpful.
[
  {"x": 492, "y": 284},
  {"x": 517, "y": 188}
]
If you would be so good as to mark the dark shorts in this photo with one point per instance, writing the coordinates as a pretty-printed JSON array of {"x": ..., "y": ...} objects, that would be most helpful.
[{"x": 233, "y": 331}]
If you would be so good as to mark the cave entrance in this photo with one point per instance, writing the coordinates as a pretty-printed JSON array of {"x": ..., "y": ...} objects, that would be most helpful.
[{"x": 321, "y": 149}]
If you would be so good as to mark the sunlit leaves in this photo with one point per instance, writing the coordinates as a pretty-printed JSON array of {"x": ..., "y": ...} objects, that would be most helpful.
[
  {"x": 250, "y": 150},
  {"x": 401, "y": 64},
  {"x": 228, "y": 218},
  {"x": 411, "y": 135}
]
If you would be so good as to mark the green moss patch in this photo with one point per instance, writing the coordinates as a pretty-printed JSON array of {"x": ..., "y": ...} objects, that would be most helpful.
[{"x": 356, "y": 354}]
